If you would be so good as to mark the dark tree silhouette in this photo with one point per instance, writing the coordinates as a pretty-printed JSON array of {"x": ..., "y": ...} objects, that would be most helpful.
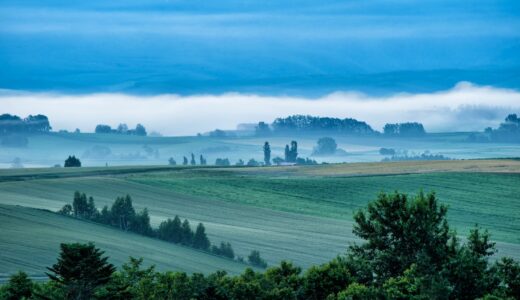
[
  {"x": 72, "y": 161},
  {"x": 81, "y": 269},
  {"x": 267, "y": 154}
]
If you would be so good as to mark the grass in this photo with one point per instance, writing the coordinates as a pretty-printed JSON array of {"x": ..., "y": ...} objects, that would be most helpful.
[
  {"x": 30, "y": 241},
  {"x": 303, "y": 214}
]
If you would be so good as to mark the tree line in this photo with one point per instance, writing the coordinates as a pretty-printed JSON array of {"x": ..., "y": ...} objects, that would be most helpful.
[
  {"x": 12, "y": 124},
  {"x": 122, "y": 128},
  {"x": 408, "y": 252},
  {"x": 348, "y": 126},
  {"x": 123, "y": 216},
  {"x": 508, "y": 132}
]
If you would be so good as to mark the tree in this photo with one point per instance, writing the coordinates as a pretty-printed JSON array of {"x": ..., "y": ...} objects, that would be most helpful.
[
  {"x": 172, "y": 161},
  {"x": 325, "y": 146},
  {"x": 140, "y": 130},
  {"x": 252, "y": 163},
  {"x": 202, "y": 160},
  {"x": 398, "y": 230},
  {"x": 123, "y": 212},
  {"x": 267, "y": 154},
  {"x": 223, "y": 162},
  {"x": 186, "y": 233},
  {"x": 262, "y": 129},
  {"x": 193, "y": 162},
  {"x": 101, "y": 128},
  {"x": 122, "y": 128},
  {"x": 80, "y": 270},
  {"x": 170, "y": 230},
  {"x": 240, "y": 163},
  {"x": 18, "y": 287},
  {"x": 184, "y": 161},
  {"x": 79, "y": 205},
  {"x": 291, "y": 153},
  {"x": 72, "y": 161},
  {"x": 278, "y": 160},
  {"x": 141, "y": 223},
  {"x": 255, "y": 259},
  {"x": 200, "y": 240}
]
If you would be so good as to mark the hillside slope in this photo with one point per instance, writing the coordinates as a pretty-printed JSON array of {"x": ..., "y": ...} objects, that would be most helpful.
[{"x": 30, "y": 240}]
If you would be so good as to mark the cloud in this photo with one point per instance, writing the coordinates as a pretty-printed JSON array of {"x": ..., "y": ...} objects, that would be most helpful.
[{"x": 463, "y": 108}]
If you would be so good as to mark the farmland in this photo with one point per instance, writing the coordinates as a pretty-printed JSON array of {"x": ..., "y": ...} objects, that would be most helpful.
[{"x": 303, "y": 214}]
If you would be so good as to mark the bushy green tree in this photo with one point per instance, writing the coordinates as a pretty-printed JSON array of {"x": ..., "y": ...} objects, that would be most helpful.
[
  {"x": 170, "y": 230},
  {"x": 80, "y": 270},
  {"x": 19, "y": 286},
  {"x": 123, "y": 212},
  {"x": 186, "y": 233}
]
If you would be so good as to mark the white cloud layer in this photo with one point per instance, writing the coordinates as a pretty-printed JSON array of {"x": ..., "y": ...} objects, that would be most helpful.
[{"x": 465, "y": 107}]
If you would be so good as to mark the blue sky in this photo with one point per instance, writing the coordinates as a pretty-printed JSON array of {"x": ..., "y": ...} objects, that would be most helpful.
[{"x": 304, "y": 48}]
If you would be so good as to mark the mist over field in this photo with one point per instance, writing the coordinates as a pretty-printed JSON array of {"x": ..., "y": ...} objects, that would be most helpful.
[{"x": 465, "y": 107}]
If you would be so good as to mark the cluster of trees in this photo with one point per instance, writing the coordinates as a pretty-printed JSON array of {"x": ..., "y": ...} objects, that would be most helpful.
[
  {"x": 72, "y": 161},
  {"x": 325, "y": 146},
  {"x": 123, "y": 216},
  {"x": 387, "y": 151},
  {"x": 423, "y": 156},
  {"x": 122, "y": 128},
  {"x": 12, "y": 124},
  {"x": 409, "y": 129},
  {"x": 409, "y": 252},
  {"x": 291, "y": 153},
  {"x": 301, "y": 123},
  {"x": 508, "y": 132}
]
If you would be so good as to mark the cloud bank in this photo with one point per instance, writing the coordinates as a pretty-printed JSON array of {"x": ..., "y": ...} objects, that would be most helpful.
[{"x": 465, "y": 107}]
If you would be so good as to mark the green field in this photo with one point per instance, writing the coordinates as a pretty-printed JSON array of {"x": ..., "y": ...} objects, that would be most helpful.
[
  {"x": 303, "y": 214},
  {"x": 30, "y": 241}
]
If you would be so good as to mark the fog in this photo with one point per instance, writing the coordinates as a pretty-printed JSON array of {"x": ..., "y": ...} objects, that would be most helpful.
[{"x": 465, "y": 107}]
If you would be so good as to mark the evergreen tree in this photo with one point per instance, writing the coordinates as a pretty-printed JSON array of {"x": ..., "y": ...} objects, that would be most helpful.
[
  {"x": 141, "y": 223},
  {"x": 200, "y": 240},
  {"x": 80, "y": 205},
  {"x": 193, "y": 162},
  {"x": 255, "y": 259},
  {"x": 81, "y": 270},
  {"x": 184, "y": 161},
  {"x": 186, "y": 233},
  {"x": 170, "y": 230},
  {"x": 267, "y": 154},
  {"x": 202, "y": 160}
]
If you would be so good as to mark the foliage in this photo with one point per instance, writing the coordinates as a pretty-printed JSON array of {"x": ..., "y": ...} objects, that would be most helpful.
[
  {"x": 12, "y": 124},
  {"x": 255, "y": 259},
  {"x": 252, "y": 163},
  {"x": 325, "y": 146},
  {"x": 18, "y": 287},
  {"x": 80, "y": 270},
  {"x": 72, "y": 161},
  {"x": 409, "y": 129},
  {"x": 200, "y": 240},
  {"x": 409, "y": 252},
  {"x": 139, "y": 130},
  {"x": 301, "y": 123},
  {"x": 222, "y": 162},
  {"x": 508, "y": 131},
  {"x": 267, "y": 154},
  {"x": 172, "y": 162},
  {"x": 224, "y": 249},
  {"x": 262, "y": 129},
  {"x": 291, "y": 153}
]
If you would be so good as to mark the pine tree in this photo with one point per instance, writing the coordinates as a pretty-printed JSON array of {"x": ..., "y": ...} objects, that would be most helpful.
[
  {"x": 81, "y": 270},
  {"x": 186, "y": 233},
  {"x": 184, "y": 161},
  {"x": 193, "y": 162},
  {"x": 200, "y": 240}
]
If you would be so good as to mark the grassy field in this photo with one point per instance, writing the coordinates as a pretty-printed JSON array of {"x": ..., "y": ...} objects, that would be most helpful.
[
  {"x": 30, "y": 240},
  {"x": 303, "y": 214}
]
